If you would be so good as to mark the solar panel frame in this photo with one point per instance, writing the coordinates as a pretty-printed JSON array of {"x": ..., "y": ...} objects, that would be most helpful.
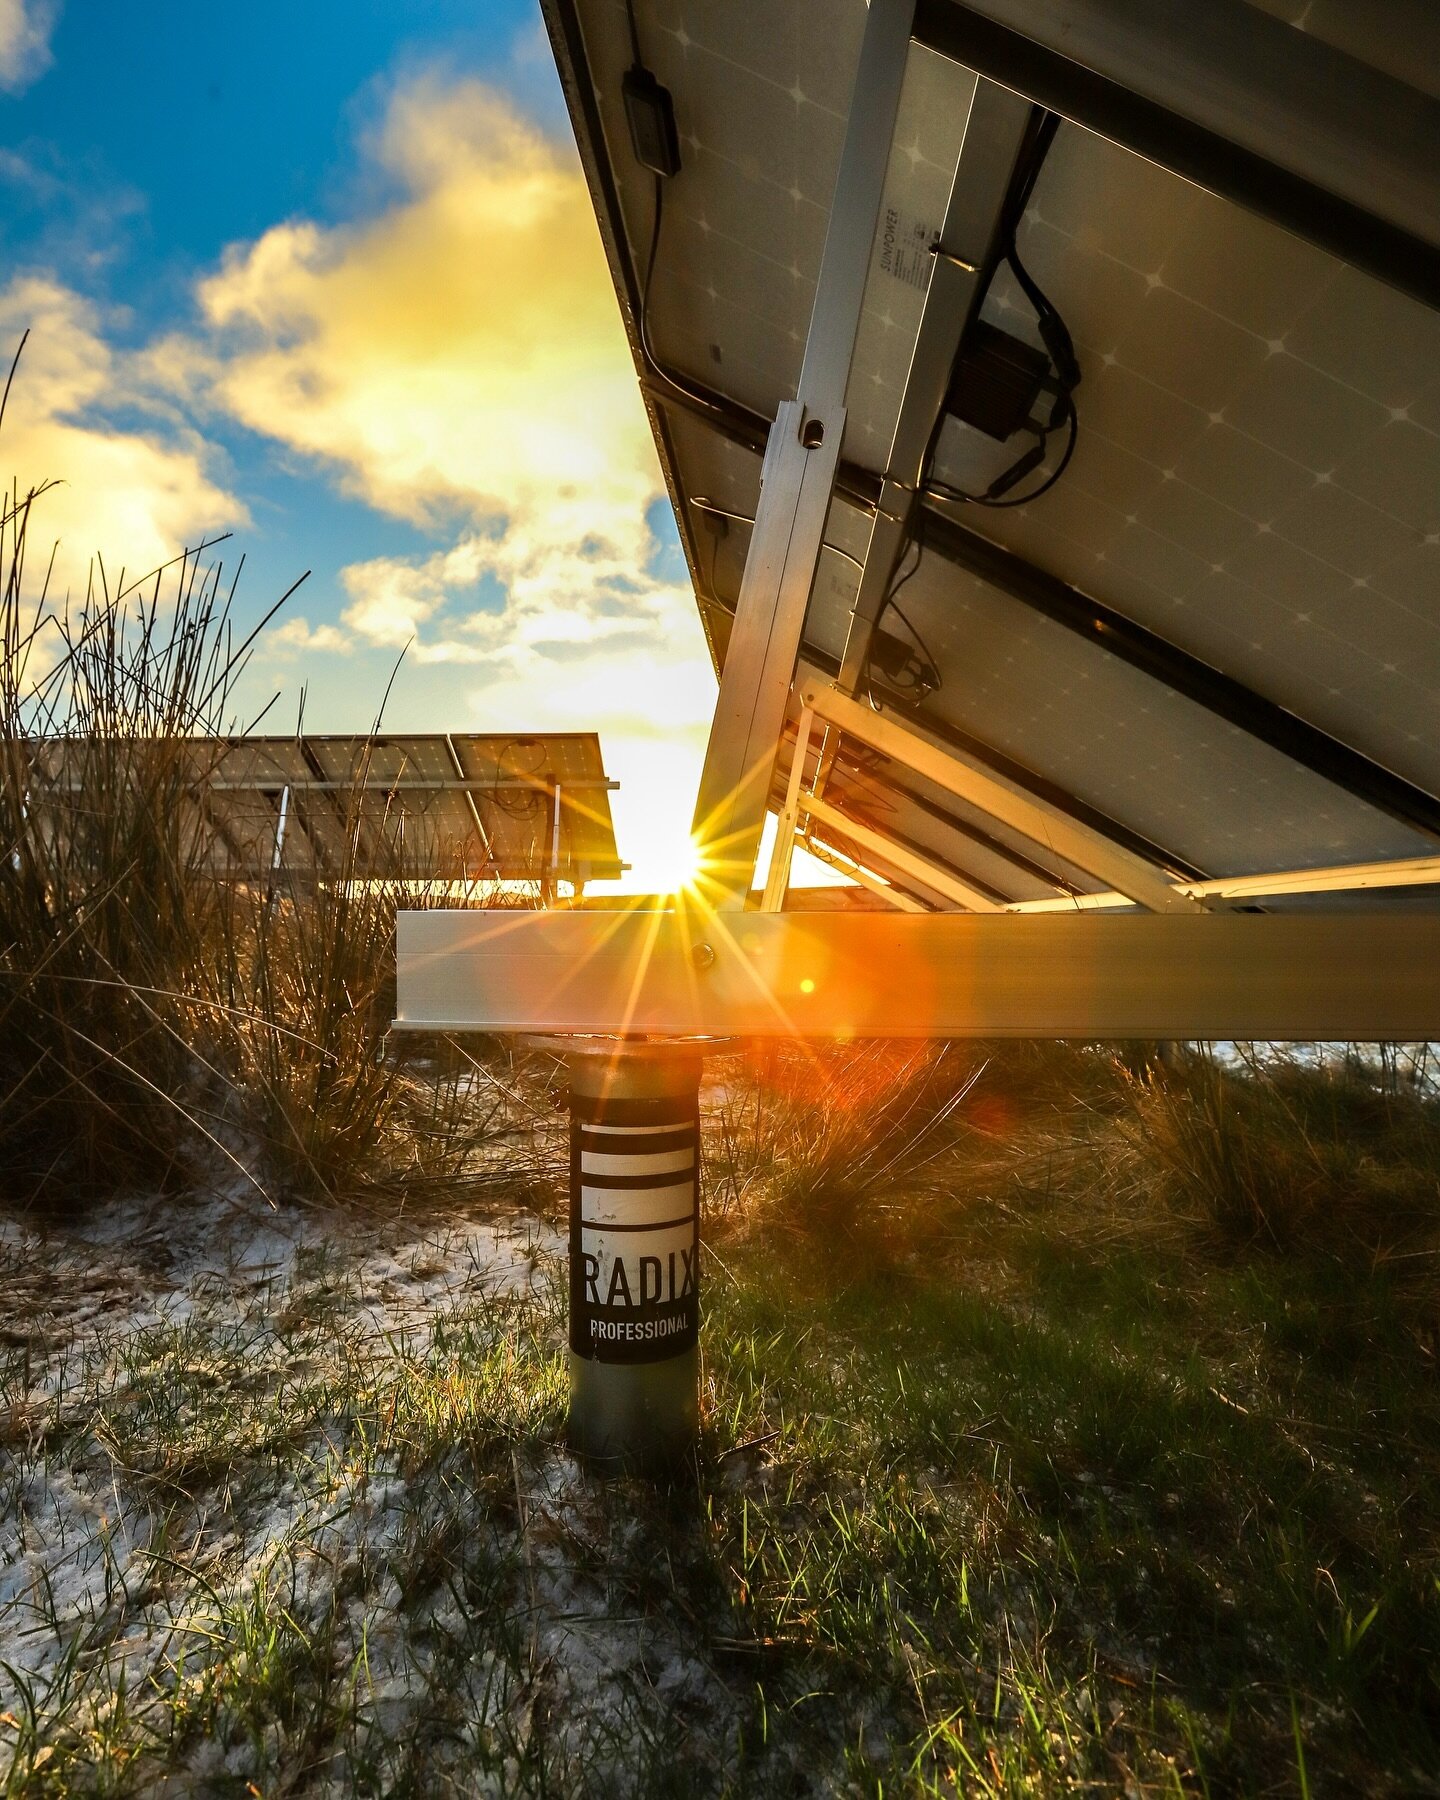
[
  {"x": 416, "y": 806},
  {"x": 737, "y": 425}
]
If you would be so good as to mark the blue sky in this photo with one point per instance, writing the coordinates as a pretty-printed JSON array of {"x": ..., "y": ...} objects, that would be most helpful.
[{"x": 326, "y": 276}]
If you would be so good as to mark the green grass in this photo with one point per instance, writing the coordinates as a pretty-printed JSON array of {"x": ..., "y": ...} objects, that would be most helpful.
[
  {"x": 304, "y": 1524},
  {"x": 1106, "y": 1526},
  {"x": 1028, "y": 1468},
  {"x": 1079, "y": 1480}
]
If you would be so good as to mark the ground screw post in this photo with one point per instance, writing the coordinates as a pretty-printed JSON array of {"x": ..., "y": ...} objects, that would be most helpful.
[{"x": 634, "y": 1250}]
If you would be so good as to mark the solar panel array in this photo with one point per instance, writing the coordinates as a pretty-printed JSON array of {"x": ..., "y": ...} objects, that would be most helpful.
[
  {"x": 440, "y": 806},
  {"x": 1256, "y": 484}
]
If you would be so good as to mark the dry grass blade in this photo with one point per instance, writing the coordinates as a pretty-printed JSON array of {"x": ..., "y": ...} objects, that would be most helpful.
[{"x": 156, "y": 1015}]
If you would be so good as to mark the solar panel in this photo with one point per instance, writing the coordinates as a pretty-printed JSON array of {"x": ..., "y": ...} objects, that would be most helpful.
[
  {"x": 1066, "y": 535},
  {"x": 1215, "y": 640},
  {"x": 476, "y": 808}
]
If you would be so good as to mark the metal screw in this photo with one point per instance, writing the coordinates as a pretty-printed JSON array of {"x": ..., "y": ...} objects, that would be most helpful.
[{"x": 702, "y": 955}]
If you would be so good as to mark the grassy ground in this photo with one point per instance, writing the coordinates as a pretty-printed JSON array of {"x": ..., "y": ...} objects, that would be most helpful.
[{"x": 1083, "y": 1434}]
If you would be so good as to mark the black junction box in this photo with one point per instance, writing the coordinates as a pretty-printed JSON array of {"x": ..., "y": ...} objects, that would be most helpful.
[
  {"x": 650, "y": 114},
  {"x": 996, "y": 382}
]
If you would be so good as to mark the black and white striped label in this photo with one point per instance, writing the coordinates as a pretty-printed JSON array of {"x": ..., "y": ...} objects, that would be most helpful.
[{"x": 634, "y": 1230}]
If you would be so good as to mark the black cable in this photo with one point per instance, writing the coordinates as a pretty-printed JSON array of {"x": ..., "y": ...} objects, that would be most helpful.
[
  {"x": 523, "y": 805},
  {"x": 913, "y": 542},
  {"x": 702, "y": 503},
  {"x": 914, "y": 631},
  {"x": 919, "y": 680},
  {"x": 1059, "y": 347},
  {"x": 942, "y": 490},
  {"x": 898, "y": 581},
  {"x": 1055, "y": 337},
  {"x": 666, "y": 374}
]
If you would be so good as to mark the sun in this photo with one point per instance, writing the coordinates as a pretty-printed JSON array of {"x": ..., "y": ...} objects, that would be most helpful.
[
  {"x": 656, "y": 843},
  {"x": 676, "y": 864}
]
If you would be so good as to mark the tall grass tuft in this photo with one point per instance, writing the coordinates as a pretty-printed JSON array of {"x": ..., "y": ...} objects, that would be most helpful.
[
  {"x": 1284, "y": 1153},
  {"x": 156, "y": 1016},
  {"x": 341, "y": 1109},
  {"x": 832, "y": 1135},
  {"x": 104, "y": 914}
]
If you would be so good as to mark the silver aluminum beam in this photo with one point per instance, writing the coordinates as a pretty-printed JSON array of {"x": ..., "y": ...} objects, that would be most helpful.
[
  {"x": 862, "y": 877},
  {"x": 1341, "y": 878},
  {"x": 778, "y": 878},
  {"x": 810, "y": 677},
  {"x": 455, "y": 763},
  {"x": 463, "y": 784},
  {"x": 930, "y": 874},
  {"x": 796, "y": 483},
  {"x": 1045, "y": 825},
  {"x": 938, "y": 975},
  {"x": 760, "y": 659},
  {"x": 994, "y": 133}
]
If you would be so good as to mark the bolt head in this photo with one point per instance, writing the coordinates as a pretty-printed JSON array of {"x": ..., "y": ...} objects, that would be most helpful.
[{"x": 702, "y": 955}]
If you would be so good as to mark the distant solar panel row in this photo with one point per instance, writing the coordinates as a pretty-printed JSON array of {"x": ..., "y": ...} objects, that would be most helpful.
[{"x": 456, "y": 806}]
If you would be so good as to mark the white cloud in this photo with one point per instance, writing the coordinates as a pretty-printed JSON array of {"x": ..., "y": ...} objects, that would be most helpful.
[
  {"x": 458, "y": 362},
  {"x": 25, "y": 27},
  {"x": 579, "y": 644},
  {"x": 298, "y": 634},
  {"x": 462, "y": 351},
  {"x": 133, "y": 496}
]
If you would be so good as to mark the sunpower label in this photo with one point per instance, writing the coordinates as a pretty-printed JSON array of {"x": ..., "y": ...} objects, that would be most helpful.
[
  {"x": 905, "y": 248},
  {"x": 634, "y": 1231}
]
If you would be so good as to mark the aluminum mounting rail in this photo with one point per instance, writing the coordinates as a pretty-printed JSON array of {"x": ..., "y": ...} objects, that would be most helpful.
[
  {"x": 797, "y": 481},
  {"x": 1078, "y": 843},
  {"x": 695, "y": 972}
]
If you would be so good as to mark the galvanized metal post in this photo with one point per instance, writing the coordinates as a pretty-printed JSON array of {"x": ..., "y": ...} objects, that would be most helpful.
[{"x": 634, "y": 1251}]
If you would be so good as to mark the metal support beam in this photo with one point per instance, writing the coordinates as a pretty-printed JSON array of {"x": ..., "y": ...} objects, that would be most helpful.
[
  {"x": 796, "y": 483},
  {"x": 1343, "y": 878},
  {"x": 282, "y": 818},
  {"x": 760, "y": 662},
  {"x": 1271, "y": 118},
  {"x": 1067, "y": 837},
  {"x": 697, "y": 973},
  {"x": 464, "y": 784},
  {"x": 994, "y": 135},
  {"x": 816, "y": 667},
  {"x": 901, "y": 857},
  {"x": 778, "y": 879},
  {"x": 887, "y": 779},
  {"x": 550, "y": 863},
  {"x": 862, "y": 877},
  {"x": 480, "y": 832}
]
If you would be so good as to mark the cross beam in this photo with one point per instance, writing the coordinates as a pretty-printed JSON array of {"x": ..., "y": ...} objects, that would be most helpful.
[
  {"x": 1276, "y": 120},
  {"x": 700, "y": 973},
  {"x": 1077, "y": 843}
]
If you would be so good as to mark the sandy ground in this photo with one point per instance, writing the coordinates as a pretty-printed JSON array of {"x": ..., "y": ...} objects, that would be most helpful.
[{"x": 154, "y": 1541}]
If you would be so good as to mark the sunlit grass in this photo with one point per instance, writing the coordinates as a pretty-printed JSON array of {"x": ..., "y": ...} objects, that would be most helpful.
[
  {"x": 1028, "y": 1468},
  {"x": 1068, "y": 1479}
]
